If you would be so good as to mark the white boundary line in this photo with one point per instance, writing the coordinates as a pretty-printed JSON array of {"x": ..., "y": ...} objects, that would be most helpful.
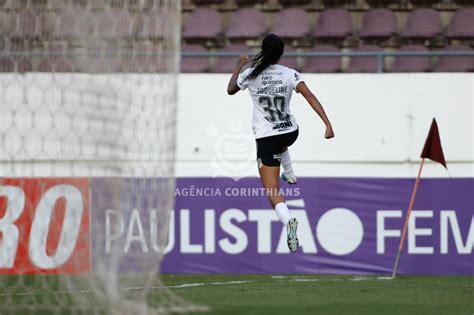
[
  {"x": 305, "y": 280},
  {"x": 178, "y": 286}
]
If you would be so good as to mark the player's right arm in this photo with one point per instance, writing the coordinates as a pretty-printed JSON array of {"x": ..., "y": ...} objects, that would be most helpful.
[
  {"x": 318, "y": 108},
  {"x": 233, "y": 87}
]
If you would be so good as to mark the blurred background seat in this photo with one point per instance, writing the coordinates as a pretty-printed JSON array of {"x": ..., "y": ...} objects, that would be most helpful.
[
  {"x": 6, "y": 64},
  {"x": 423, "y": 23},
  {"x": 194, "y": 64},
  {"x": 114, "y": 22},
  {"x": 323, "y": 64},
  {"x": 291, "y": 23},
  {"x": 55, "y": 59},
  {"x": 378, "y": 24},
  {"x": 462, "y": 24},
  {"x": 203, "y": 23},
  {"x": 25, "y": 24},
  {"x": 246, "y": 23},
  {"x": 333, "y": 23},
  {"x": 289, "y": 61},
  {"x": 227, "y": 64},
  {"x": 411, "y": 63},
  {"x": 366, "y": 63},
  {"x": 455, "y": 63}
]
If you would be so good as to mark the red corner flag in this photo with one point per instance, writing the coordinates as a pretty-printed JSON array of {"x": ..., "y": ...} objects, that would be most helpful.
[{"x": 432, "y": 149}]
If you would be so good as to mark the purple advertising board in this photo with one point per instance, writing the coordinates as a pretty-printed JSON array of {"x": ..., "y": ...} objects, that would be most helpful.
[{"x": 346, "y": 226}]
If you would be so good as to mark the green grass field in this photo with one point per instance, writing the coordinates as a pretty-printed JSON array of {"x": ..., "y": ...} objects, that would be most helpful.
[
  {"x": 325, "y": 295},
  {"x": 252, "y": 294}
]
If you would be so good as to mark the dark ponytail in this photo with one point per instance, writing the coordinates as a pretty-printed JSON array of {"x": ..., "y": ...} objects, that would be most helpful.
[{"x": 272, "y": 50}]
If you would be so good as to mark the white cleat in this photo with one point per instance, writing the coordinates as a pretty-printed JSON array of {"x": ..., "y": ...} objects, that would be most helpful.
[
  {"x": 289, "y": 179},
  {"x": 291, "y": 235}
]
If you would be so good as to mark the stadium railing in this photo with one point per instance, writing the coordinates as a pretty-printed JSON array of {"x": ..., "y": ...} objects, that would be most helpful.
[{"x": 380, "y": 55}]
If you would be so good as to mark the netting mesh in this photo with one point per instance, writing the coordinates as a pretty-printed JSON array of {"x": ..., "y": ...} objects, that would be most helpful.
[{"x": 87, "y": 144}]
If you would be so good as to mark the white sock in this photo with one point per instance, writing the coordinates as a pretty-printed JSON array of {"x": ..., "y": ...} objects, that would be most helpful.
[
  {"x": 283, "y": 213},
  {"x": 286, "y": 163}
]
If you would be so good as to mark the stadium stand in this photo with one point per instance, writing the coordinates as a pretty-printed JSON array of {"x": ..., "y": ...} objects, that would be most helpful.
[
  {"x": 381, "y": 3},
  {"x": 193, "y": 64},
  {"x": 291, "y": 62},
  {"x": 423, "y": 23},
  {"x": 108, "y": 58},
  {"x": 113, "y": 22},
  {"x": 201, "y": 2},
  {"x": 203, "y": 23},
  {"x": 150, "y": 26},
  {"x": 294, "y": 2},
  {"x": 462, "y": 24},
  {"x": 6, "y": 64},
  {"x": 339, "y": 3},
  {"x": 378, "y": 24},
  {"x": 23, "y": 65},
  {"x": 423, "y": 3},
  {"x": 411, "y": 64},
  {"x": 26, "y": 24},
  {"x": 141, "y": 58},
  {"x": 291, "y": 23},
  {"x": 227, "y": 64},
  {"x": 219, "y": 25},
  {"x": 323, "y": 64},
  {"x": 55, "y": 59},
  {"x": 333, "y": 24},
  {"x": 364, "y": 64},
  {"x": 71, "y": 22},
  {"x": 249, "y": 2},
  {"x": 246, "y": 23},
  {"x": 455, "y": 63}
]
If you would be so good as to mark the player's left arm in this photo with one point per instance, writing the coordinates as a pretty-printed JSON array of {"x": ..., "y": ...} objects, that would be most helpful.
[
  {"x": 233, "y": 87},
  {"x": 302, "y": 88}
]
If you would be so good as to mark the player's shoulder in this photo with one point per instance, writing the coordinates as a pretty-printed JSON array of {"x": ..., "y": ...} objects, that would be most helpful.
[{"x": 286, "y": 70}]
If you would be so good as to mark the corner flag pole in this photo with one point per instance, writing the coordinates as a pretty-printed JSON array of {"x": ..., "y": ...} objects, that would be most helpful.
[
  {"x": 432, "y": 150},
  {"x": 407, "y": 219}
]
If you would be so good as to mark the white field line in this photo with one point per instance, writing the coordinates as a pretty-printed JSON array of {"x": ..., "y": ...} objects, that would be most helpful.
[
  {"x": 187, "y": 285},
  {"x": 178, "y": 286},
  {"x": 359, "y": 278},
  {"x": 314, "y": 280},
  {"x": 305, "y": 280}
]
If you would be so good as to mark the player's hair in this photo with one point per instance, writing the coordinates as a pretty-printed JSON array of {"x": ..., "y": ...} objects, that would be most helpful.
[{"x": 272, "y": 49}]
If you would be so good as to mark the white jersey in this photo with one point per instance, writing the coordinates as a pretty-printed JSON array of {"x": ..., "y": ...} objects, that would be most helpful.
[{"x": 271, "y": 94}]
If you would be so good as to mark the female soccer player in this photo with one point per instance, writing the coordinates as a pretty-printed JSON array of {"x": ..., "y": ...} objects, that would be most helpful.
[{"x": 275, "y": 128}]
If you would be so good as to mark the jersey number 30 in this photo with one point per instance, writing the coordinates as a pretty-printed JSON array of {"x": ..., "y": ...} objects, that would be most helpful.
[{"x": 272, "y": 106}]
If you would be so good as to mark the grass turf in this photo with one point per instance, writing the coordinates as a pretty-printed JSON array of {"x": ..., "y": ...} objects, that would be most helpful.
[
  {"x": 252, "y": 294},
  {"x": 327, "y": 295}
]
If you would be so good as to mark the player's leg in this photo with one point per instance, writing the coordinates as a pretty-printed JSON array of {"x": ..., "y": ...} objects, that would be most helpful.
[
  {"x": 269, "y": 168},
  {"x": 288, "y": 175},
  {"x": 286, "y": 140},
  {"x": 269, "y": 176}
]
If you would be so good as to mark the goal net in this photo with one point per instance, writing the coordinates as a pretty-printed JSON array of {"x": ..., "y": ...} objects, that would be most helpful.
[{"x": 87, "y": 145}]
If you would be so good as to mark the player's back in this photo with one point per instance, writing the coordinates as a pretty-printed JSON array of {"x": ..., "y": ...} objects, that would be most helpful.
[{"x": 271, "y": 93}]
